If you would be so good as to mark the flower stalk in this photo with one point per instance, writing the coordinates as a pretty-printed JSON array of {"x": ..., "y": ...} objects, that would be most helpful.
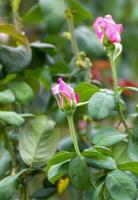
[
  {"x": 115, "y": 81},
  {"x": 67, "y": 101},
  {"x": 73, "y": 133},
  {"x": 15, "y": 11}
]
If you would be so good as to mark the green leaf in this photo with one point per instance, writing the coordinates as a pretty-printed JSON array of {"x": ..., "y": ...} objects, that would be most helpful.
[
  {"x": 121, "y": 186},
  {"x": 106, "y": 163},
  {"x": 85, "y": 91},
  {"x": 108, "y": 137},
  {"x": 8, "y": 78},
  {"x": 43, "y": 193},
  {"x": 122, "y": 105},
  {"x": 11, "y": 30},
  {"x": 32, "y": 80},
  {"x": 5, "y": 160},
  {"x": 58, "y": 68},
  {"x": 92, "y": 153},
  {"x": 101, "y": 178},
  {"x": 117, "y": 51},
  {"x": 22, "y": 91},
  {"x": 98, "y": 194},
  {"x": 133, "y": 151},
  {"x": 5, "y": 165},
  {"x": 100, "y": 105},
  {"x": 120, "y": 152},
  {"x": 11, "y": 118},
  {"x": 81, "y": 13},
  {"x": 15, "y": 59},
  {"x": 113, "y": 52},
  {"x": 88, "y": 42},
  {"x": 44, "y": 47},
  {"x": 79, "y": 173},
  {"x": 129, "y": 166},
  {"x": 65, "y": 144},
  {"x": 135, "y": 89},
  {"x": 33, "y": 16},
  {"x": 27, "y": 115},
  {"x": 6, "y": 97},
  {"x": 8, "y": 186},
  {"x": 103, "y": 150},
  {"x": 133, "y": 115},
  {"x": 59, "y": 157},
  {"x": 87, "y": 194},
  {"x": 135, "y": 132},
  {"x": 7, "y": 54},
  {"x": 38, "y": 141},
  {"x": 55, "y": 172},
  {"x": 53, "y": 11}
]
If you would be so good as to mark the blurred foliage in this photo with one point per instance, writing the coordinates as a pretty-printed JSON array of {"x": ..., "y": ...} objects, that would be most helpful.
[{"x": 35, "y": 49}]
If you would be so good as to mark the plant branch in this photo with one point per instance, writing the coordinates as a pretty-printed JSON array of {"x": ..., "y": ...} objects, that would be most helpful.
[
  {"x": 123, "y": 119},
  {"x": 115, "y": 80},
  {"x": 24, "y": 192},
  {"x": 15, "y": 8},
  {"x": 73, "y": 133},
  {"x": 70, "y": 23}
]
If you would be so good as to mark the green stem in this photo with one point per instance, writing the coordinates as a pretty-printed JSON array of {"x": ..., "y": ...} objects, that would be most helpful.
[
  {"x": 115, "y": 80},
  {"x": 73, "y": 133},
  {"x": 24, "y": 192},
  {"x": 15, "y": 10},
  {"x": 70, "y": 23},
  {"x": 123, "y": 120}
]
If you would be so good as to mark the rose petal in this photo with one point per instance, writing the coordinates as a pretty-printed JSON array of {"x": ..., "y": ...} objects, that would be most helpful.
[
  {"x": 107, "y": 26},
  {"x": 55, "y": 89}
]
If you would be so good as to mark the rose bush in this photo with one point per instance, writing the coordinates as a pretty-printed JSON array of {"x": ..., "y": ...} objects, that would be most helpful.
[{"x": 68, "y": 113}]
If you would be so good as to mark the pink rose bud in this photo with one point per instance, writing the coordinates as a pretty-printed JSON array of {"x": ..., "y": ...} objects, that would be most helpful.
[
  {"x": 106, "y": 27},
  {"x": 65, "y": 95}
]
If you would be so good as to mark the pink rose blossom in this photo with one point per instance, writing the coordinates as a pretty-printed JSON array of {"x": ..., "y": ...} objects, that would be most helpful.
[
  {"x": 65, "y": 92},
  {"x": 105, "y": 26}
]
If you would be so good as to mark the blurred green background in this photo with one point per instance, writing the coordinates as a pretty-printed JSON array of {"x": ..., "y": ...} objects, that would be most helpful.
[{"x": 44, "y": 20}]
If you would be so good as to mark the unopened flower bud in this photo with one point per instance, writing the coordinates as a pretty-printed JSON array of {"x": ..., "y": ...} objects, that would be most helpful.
[
  {"x": 107, "y": 30},
  {"x": 66, "y": 97}
]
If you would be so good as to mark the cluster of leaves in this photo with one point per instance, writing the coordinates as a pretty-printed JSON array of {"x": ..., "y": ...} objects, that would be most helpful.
[{"x": 31, "y": 122}]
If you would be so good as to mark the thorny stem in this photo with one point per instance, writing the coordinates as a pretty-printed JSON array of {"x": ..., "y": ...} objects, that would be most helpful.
[{"x": 73, "y": 133}]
